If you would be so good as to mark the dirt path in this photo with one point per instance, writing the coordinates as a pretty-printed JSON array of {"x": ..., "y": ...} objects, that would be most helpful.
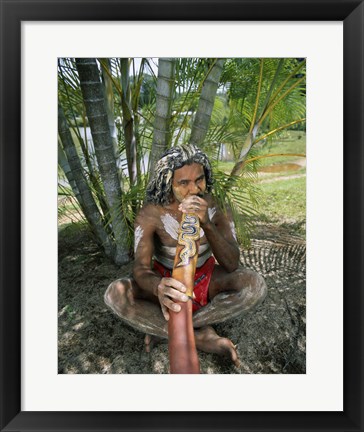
[
  {"x": 296, "y": 165},
  {"x": 279, "y": 178}
]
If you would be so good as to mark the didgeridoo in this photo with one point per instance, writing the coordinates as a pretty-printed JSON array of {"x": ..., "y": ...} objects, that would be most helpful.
[{"x": 183, "y": 358}]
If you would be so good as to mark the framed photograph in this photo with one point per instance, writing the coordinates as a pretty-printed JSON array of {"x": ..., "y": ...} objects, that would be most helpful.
[{"x": 34, "y": 394}]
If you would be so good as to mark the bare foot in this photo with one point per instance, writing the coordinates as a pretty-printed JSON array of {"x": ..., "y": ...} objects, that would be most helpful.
[
  {"x": 151, "y": 341},
  {"x": 208, "y": 340}
]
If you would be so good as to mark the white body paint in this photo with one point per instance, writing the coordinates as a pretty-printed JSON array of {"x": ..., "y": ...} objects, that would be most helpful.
[
  {"x": 233, "y": 230},
  {"x": 212, "y": 212},
  {"x": 172, "y": 250},
  {"x": 171, "y": 226},
  {"x": 138, "y": 234}
]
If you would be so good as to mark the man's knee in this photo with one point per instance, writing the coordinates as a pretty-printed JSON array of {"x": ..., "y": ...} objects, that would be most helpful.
[
  {"x": 251, "y": 285},
  {"x": 119, "y": 294},
  {"x": 245, "y": 290}
]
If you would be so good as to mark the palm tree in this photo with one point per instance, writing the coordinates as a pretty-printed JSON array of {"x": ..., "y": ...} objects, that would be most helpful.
[
  {"x": 271, "y": 98},
  {"x": 214, "y": 103},
  {"x": 74, "y": 172},
  {"x": 165, "y": 89},
  {"x": 109, "y": 102},
  {"x": 206, "y": 103},
  {"x": 94, "y": 100}
]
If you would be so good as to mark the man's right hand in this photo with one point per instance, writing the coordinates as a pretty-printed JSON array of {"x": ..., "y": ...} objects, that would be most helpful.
[{"x": 169, "y": 291}]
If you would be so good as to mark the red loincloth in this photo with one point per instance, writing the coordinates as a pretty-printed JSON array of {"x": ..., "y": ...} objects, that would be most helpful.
[{"x": 202, "y": 281}]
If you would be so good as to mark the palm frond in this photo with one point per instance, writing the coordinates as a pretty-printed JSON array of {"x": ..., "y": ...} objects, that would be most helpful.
[{"x": 240, "y": 195}]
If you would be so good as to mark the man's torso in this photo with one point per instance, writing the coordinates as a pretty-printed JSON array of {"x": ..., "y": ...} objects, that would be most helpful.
[{"x": 167, "y": 221}]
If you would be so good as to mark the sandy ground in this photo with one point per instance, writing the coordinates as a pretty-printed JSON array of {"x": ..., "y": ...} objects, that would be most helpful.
[{"x": 270, "y": 340}]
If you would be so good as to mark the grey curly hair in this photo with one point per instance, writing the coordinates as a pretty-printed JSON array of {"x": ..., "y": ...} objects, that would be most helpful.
[{"x": 160, "y": 186}]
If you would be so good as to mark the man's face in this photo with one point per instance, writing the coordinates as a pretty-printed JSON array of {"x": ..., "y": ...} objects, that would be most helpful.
[{"x": 189, "y": 180}]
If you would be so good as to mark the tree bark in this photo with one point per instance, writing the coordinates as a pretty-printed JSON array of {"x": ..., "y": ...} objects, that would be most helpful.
[
  {"x": 94, "y": 101},
  {"x": 128, "y": 121},
  {"x": 80, "y": 186},
  {"x": 109, "y": 102},
  {"x": 165, "y": 88},
  {"x": 206, "y": 104},
  {"x": 63, "y": 163}
]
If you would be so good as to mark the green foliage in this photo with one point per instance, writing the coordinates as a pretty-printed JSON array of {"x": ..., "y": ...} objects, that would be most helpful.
[
  {"x": 240, "y": 195},
  {"x": 257, "y": 100},
  {"x": 68, "y": 207},
  {"x": 132, "y": 201},
  {"x": 69, "y": 91}
]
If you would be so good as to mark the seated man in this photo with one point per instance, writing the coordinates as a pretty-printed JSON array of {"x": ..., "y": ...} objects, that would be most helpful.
[{"x": 182, "y": 182}]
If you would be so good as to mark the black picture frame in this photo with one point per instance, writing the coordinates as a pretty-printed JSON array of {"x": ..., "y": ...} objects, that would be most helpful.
[{"x": 351, "y": 13}]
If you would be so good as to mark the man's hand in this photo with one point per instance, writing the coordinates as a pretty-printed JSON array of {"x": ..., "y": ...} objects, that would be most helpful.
[
  {"x": 170, "y": 290},
  {"x": 197, "y": 205}
]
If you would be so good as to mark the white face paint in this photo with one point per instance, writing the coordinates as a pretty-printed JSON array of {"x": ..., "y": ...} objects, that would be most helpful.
[
  {"x": 233, "y": 230},
  {"x": 138, "y": 234}
]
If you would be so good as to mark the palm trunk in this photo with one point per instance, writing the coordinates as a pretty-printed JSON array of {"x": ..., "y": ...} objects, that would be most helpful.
[
  {"x": 63, "y": 163},
  {"x": 248, "y": 144},
  {"x": 128, "y": 121},
  {"x": 80, "y": 187},
  {"x": 93, "y": 96},
  {"x": 109, "y": 99},
  {"x": 165, "y": 88},
  {"x": 206, "y": 104},
  {"x": 135, "y": 106}
]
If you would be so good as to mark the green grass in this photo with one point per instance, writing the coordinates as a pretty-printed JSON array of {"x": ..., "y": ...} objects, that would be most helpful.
[
  {"x": 291, "y": 142},
  {"x": 225, "y": 166},
  {"x": 283, "y": 200}
]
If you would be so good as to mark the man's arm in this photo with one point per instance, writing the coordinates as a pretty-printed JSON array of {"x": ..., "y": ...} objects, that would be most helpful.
[
  {"x": 166, "y": 289},
  {"x": 218, "y": 231},
  {"x": 224, "y": 246},
  {"x": 143, "y": 274}
]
